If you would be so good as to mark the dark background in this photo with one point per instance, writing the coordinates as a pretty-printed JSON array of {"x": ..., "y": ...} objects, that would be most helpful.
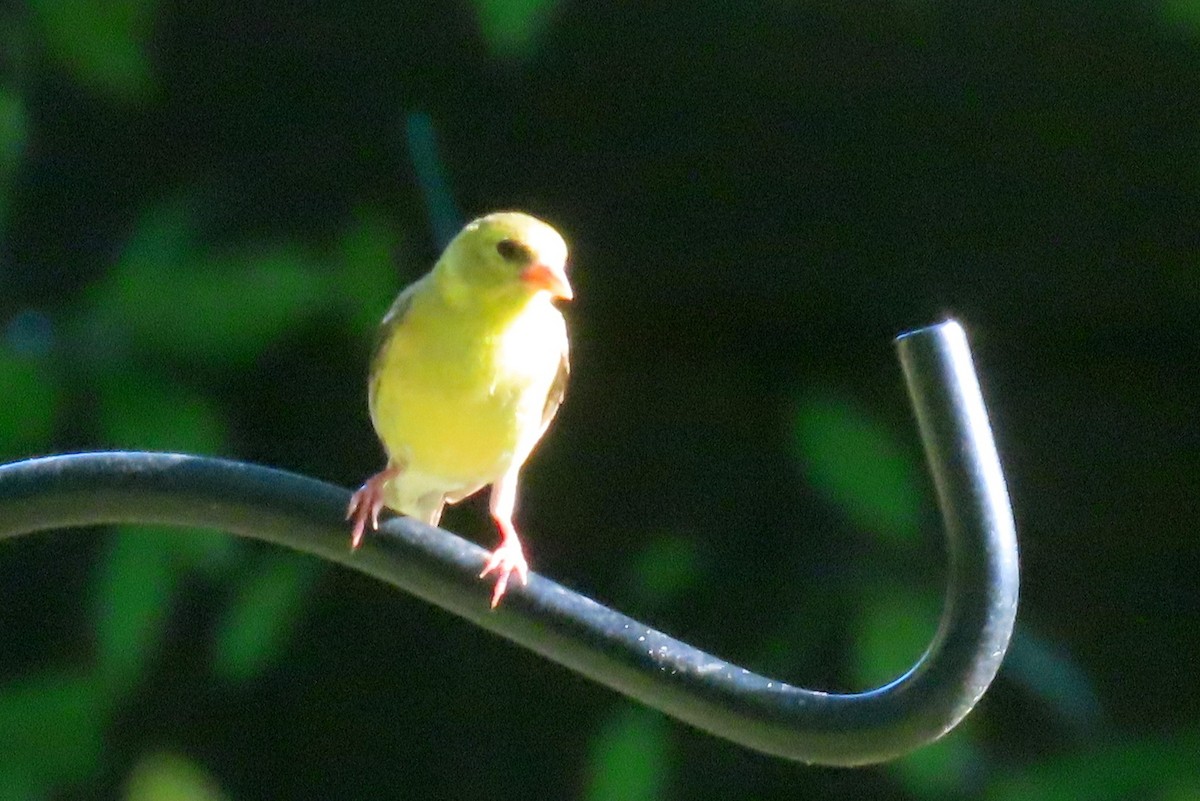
[{"x": 206, "y": 207}]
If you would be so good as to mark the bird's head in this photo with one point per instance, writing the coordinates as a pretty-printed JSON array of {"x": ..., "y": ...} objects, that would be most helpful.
[{"x": 509, "y": 251}]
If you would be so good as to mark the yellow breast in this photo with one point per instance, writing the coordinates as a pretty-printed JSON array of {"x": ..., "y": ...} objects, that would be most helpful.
[{"x": 460, "y": 395}]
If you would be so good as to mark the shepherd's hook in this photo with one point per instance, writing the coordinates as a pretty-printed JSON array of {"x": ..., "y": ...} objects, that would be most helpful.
[{"x": 729, "y": 701}]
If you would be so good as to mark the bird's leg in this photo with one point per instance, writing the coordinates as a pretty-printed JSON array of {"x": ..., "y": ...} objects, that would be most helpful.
[
  {"x": 508, "y": 556},
  {"x": 367, "y": 503}
]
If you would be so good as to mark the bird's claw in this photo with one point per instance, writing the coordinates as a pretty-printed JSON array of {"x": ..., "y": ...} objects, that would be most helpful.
[
  {"x": 365, "y": 506},
  {"x": 504, "y": 561}
]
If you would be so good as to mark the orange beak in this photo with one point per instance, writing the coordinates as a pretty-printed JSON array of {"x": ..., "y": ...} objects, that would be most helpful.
[{"x": 552, "y": 280}]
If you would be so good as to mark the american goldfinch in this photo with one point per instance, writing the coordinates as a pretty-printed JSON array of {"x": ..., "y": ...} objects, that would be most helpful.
[{"x": 469, "y": 368}]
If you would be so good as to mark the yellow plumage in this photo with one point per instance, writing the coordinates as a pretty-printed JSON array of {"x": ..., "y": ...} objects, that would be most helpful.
[{"x": 470, "y": 367}]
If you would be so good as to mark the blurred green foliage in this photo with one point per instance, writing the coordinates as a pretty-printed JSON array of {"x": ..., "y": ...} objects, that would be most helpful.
[
  {"x": 157, "y": 414},
  {"x": 860, "y": 466},
  {"x": 897, "y": 624},
  {"x": 170, "y": 777},
  {"x": 1160, "y": 768},
  {"x": 102, "y": 42},
  {"x": 511, "y": 27},
  {"x": 12, "y": 140},
  {"x": 166, "y": 303},
  {"x": 53, "y": 726},
  {"x": 664, "y": 570},
  {"x": 1182, "y": 14},
  {"x": 27, "y": 425},
  {"x": 13, "y": 117},
  {"x": 12, "y": 130},
  {"x": 259, "y": 621},
  {"x": 630, "y": 757},
  {"x": 222, "y": 309},
  {"x": 950, "y": 768},
  {"x": 137, "y": 577}
]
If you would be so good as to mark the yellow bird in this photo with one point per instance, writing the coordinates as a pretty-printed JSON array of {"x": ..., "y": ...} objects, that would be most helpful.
[{"x": 469, "y": 368}]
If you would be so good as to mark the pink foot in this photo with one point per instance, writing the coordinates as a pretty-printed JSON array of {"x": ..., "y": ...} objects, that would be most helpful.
[
  {"x": 507, "y": 559},
  {"x": 367, "y": 503}
]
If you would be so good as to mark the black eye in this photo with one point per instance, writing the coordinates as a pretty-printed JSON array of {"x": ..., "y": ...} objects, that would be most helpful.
[{"x": 512, "y": 250}]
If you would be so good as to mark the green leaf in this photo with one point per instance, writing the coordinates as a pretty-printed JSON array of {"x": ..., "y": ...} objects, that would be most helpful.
[
  {"x": 1112, "y": 772},
  {"x": 944, "y": 769},
  {"x": 140, "y": 412},
  {"x": 665, "y": 569},
  {"x": 239, "y": 304},
  {"x": 170, "y": 777},
  {"x": 221, "y": 309},
  {"x": 366, "y": 278},
  {"x": 51, "y": 725},
  {"x": 630, "y": 757},
  {"x": 1182, "y": 15},
  {"x": 896, "y": 627},
  {"x": 17, "y": 785},
  {"x": 131, "y": 601},
  {"x": 29, "y": 403},
  {"x": 856, "y": 462},
  {"x": 13, "y": 124},
  {"x": 260, "y": 621},
  {"x": 511, "y": 27},
  {"x": 139, "y": 573},
  {"x": 102, "y": 42}
]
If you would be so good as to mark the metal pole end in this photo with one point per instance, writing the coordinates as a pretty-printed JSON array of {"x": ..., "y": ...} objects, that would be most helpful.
[{"x": 947, "y": 328}]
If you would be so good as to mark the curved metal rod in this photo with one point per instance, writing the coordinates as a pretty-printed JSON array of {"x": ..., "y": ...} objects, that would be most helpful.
[{"x": 604, "y": 645}]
